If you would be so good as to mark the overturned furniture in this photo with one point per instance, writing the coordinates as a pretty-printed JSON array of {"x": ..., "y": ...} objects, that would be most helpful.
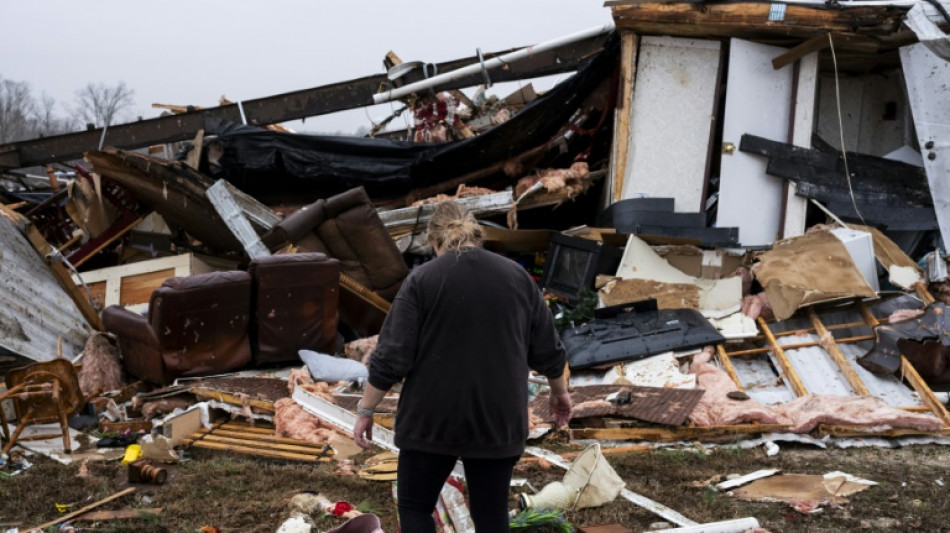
[
  {"x": 195, "y": 326},
  {"x": 221, "y": 321},
  {"x": 42, "y": 393}
]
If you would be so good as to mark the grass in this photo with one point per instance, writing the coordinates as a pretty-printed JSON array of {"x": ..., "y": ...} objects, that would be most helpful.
[{"x": 240, "y": 494}]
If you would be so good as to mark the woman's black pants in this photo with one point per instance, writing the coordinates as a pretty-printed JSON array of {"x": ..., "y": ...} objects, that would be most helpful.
[{"x": 422, "y": 474}]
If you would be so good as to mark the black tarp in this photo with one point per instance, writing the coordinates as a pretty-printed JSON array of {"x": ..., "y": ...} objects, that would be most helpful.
[{"x": 267, "y": 164}]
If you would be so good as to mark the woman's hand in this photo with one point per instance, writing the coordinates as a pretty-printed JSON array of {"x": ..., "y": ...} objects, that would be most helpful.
[
  {"x": 561, "y": 408},
  {"x": 363, "y": 431}
]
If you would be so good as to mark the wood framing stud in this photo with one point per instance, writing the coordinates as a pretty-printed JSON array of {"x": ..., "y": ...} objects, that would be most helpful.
[
  {"x": 797, "y": 387},
  {"x": 727, "y": 366},
  {"x": 837, "y": 356}
]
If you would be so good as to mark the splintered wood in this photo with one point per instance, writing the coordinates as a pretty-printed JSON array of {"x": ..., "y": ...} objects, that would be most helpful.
[{"x": 257, "y": 441}]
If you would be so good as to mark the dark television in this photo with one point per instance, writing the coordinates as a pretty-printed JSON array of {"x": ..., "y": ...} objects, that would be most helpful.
[{"x": 574, "y": 262}]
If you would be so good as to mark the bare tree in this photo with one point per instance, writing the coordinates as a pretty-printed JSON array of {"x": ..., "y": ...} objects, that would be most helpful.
[
  {"x": 16, "y": 110},
  {"x": 46, "y": 121},
  {"x": 101, "y": 104}
]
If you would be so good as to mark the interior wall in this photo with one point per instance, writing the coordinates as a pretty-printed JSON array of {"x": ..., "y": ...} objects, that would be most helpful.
[{"x": 874, "y": 112}]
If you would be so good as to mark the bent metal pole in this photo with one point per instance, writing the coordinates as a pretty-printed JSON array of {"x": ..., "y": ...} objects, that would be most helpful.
[{"x": 474, "y": 68}]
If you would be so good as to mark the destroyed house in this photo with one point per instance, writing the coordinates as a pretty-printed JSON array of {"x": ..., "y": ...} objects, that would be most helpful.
[{"x": 734, "y": 211}]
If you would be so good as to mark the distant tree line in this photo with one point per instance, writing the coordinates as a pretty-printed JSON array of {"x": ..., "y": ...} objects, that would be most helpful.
[{"x": 26, "y": 115}]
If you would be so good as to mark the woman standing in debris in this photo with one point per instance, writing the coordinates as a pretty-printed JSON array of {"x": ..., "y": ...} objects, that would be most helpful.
[{"x": 463, "y": 333}]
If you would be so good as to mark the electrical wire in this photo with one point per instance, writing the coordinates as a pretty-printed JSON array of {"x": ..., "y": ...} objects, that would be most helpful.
[{"x": 844, "y": 151}]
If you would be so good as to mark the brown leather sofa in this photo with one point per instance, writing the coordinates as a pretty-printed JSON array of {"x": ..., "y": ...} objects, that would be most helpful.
[
  {"x": 347, "y": 228},
  {"x": 221, "y": 321},
  {"x": 197, "y": 325},
  {"x": 294, "y": 301}
]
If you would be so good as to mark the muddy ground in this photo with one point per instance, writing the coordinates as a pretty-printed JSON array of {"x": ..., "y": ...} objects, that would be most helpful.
[{"x": 242, "y": 494}]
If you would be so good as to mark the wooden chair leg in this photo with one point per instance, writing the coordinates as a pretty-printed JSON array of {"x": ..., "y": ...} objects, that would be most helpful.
[
  {"x": 19, "y": 429},
  {"x": 67, "y": 442},
  {"x": 3, "y": 418}
]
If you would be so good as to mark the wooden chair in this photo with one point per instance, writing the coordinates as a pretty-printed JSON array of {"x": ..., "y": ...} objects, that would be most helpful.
[{"x": 42, "y": 393}]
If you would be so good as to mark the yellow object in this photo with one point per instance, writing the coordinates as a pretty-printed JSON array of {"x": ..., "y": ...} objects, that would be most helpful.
[
  {"x": 132, "y": 453},
  {"x": 62, "y": 507}
]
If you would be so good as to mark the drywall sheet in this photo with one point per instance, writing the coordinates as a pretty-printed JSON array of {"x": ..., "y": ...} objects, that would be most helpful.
[
  {"x": 34, "y": 309},
  {"x": 671, "y": 120},
  {"x": 927, "y": 77},
  {"x": 758, "y": 100}
]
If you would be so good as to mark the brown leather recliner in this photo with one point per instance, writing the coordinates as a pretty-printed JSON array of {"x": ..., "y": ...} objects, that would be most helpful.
[
  {"x": 347, "y": 228},
  {"x": 294, "y": 304},
  {"x": 195, "y": 326}
]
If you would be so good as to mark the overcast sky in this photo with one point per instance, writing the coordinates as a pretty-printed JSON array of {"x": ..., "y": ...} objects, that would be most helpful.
[{"x": 192, "y": 52}]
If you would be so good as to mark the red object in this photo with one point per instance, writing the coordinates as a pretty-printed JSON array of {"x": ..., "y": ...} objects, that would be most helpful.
[{"x": 339, "y": 508}]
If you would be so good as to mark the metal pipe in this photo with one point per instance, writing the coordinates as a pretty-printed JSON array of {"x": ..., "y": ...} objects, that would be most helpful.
[{"x": 474, "y": 68}]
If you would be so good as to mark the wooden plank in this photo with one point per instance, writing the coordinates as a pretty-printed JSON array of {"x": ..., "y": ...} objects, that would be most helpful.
[
  {"x": 238, "y": 434},
  {"x": 248, "y": 429},
  {"x": 672, "y": 434},
  {"x": 910, "y": 374},
  {"x": 628, "y": 70},
  {"x": 783, "y": 361},
  {"x": 115, "y": 232},
  {"x": 815, "y": 44},
  {"x": 727, "y": 366},
  {"x": 264, "y": 445},
  {"x": 845, "y": 340},
  {"x": 89, "y": 507},
  {"x": 837, "y": 356},
  {"x": 739, "y": 19},
  {"x": 926, "y": 394},
  {"x": 138, "y": 289},
  {"x": 247, "y": 450},
  {"x": 194, "y": 154},
  {"x": 121, "y": 514}
]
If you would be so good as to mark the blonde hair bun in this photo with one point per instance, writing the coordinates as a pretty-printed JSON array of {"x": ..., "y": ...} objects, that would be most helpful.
[{"x": 452, "y": 227}]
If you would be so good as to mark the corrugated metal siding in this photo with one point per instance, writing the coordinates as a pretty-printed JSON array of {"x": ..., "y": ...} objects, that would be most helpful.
[{"x": 34, "y": 308}]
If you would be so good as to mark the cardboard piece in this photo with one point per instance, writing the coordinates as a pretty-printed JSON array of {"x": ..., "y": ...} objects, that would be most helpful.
[
  {"x": 815, "y": 267},
  {"x": 833, "y": 487},
  {"x": 182, "y": 425},
  {"x": 714, "y": 298}
]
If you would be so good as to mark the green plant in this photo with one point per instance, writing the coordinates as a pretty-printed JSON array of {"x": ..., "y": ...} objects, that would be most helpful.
[{"x": 540, "y": 521}]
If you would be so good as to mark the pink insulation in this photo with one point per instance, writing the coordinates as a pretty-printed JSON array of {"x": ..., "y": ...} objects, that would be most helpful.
[
  {"x": 715, "y": 408},
  {"x": 300, "y": 377},
  {"x": 574, "y": 180},
  {"x": 361, "y": 349},
  {"x": 904, "y": 314},
  {"x": 807, "y": 412},
  {"x": 101, "y": 369},
  {"x": 293, "y": 422}
]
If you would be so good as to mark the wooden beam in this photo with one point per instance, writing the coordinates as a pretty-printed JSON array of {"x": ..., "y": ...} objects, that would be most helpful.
[
  {"x": 628, "y": 72},
  {"x": 242, "y": 434},
  {"x": 74, "y": 514},
  {"x": 250, "y": 450},
  {"x": 837, "y": 356},
  {"x": 815, "y": 44},
  {"x": 305, "y": 448},
  {"x": 797, "y": 387},
  {"x": 727, "y": 366},
  {"x": 845, "y": 340},
  {"x": 747, "y": 18}
]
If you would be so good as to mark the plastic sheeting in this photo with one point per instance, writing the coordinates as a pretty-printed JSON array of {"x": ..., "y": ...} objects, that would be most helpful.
[{"x": 264, "y": 163}]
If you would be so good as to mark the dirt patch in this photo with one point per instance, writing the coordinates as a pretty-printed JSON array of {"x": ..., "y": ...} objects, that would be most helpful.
[{"x": 241, "y": 494}]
